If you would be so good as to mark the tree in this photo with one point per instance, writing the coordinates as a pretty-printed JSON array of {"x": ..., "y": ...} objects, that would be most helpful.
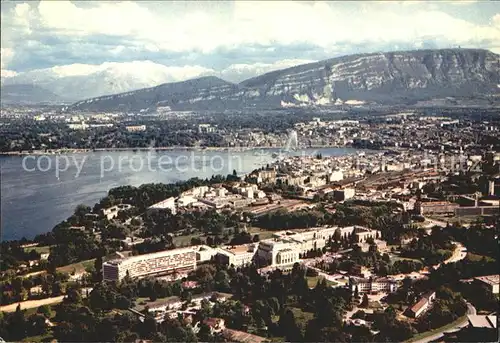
[
  {"x": 73, "y": 295},
  {"x": 205, "y": 335},
  {"x": 81, "y": 210},
  {"x": 98, "y": 269},
  {"x": 18, "y": 326},
  {"x": 364, "y": 302},
  {"x": 148, "y": 328},
  {"x": 36, "y": 325},
  {"x": 337, "y": 236},
  {"x": 45, "y": 310},
  {"x": 123, "y": 303},
  {"x": 136, "y": 222},
  {"x": 57, "y": 289},
  {"x": 288, "y": 327}
]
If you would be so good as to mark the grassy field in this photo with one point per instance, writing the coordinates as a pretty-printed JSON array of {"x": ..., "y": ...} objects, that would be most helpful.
[
  {"x": 182, "y": 241},
  {"x": 34, "y": 310},
  {"x": 263, "y": 234},
  {"x": 395, "y": 258},
  {"x": 185, "y": 240},
  {"x": 476, "y": 257},
  {"x": 41, "y": 250},
  {"x": 42, "y": 338},
  {"x": 141, "y": 303},
  {"x": 301, "y": 317},
  {"x": 436, "y": 331},
  {"x": 312, "y": 281}
]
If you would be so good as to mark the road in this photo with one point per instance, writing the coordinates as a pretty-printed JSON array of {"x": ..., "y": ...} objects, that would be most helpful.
[
  {"x": 458, "y": 254},
  {"x": 470, "y": 310}
]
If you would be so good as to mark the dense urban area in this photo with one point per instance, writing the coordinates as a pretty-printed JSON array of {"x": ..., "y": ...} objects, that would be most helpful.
[
  {"x": 50, "y": 130},
  {"x": 397, "y": 242},
  {"x": 250, "y": 171}
]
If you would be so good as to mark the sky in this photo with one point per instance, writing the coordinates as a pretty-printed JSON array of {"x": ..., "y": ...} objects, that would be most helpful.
[{"x": 237, "y": 39}]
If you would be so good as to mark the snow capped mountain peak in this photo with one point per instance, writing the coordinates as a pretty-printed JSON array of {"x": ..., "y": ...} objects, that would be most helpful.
[
  {"x": 80, "y": 81},
  {"x": 76, "y": 69}
]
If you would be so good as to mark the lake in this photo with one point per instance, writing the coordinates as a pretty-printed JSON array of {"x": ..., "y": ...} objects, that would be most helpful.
[{"x": 38, "y": 192}]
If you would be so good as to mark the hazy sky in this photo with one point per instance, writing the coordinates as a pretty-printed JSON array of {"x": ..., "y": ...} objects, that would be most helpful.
[{"x": 239, "y": 36}]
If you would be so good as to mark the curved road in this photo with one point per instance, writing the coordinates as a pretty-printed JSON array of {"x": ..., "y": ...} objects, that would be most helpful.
[{"x": 470, "y": 310}]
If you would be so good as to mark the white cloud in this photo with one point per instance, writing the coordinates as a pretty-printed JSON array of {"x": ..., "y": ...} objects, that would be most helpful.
[
  {"x": 145, "y": 73},
  {"x": 495, "y": 20},
  {"x": 6, "y": 55},
  {"x": 462, "y": 2},
  {"x": 60, "y": 32},
  {"x": 7, "y": 73},
  {"x": 264, "y": 23},
  {"x": 77, "y": 81}
]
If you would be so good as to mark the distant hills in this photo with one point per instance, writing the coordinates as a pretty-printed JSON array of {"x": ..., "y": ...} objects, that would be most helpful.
[
  {"x": 27, "y": 94},
  {"x": 82, "y": 81},
  {"x": 384, "y": 78},
  {"x": 404, "y": 77}
]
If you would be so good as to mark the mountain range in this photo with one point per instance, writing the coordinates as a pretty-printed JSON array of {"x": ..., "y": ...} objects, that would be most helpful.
[
  {"x": 27, "y": 94},
  {"x": 384, "y": 78},
  {"x": 80, "y": 81}
]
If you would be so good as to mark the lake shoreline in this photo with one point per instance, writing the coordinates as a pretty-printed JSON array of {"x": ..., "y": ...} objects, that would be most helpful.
[
  {"x": 34, "y": 200},
  {"x": 169, "y": 148}
]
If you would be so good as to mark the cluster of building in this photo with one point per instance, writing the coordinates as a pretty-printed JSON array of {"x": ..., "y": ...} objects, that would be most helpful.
[
  {"x": 282, "y": 250},
  {"x": 394, "y": 176},
  {"x": 216, "y": 197}
]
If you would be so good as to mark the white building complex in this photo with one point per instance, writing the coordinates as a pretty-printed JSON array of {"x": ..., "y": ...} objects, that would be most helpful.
[
  {"x": 238, "y": 255},
  {"x": 165, "y": 204},
  {"x": 282, "y": 250},
  {"x": 156, "y": 264},
  {"x": 285, "y": 247},
  {"x": 369, "y": 285}
]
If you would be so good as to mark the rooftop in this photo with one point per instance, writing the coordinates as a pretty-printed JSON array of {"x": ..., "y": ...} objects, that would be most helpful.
[
  {"x": 149, "y": 256},
  {"x": 478, "y": 321},
  {"x": 238, "y": 249},
  {"x": 490, "y": 279},
  {"x": 421, "y": 303},
  {"x": 242, "y": 337}
]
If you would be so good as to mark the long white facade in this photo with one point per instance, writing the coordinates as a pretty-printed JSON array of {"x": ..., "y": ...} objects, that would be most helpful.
[
  {"x": 286, "y": 246},
  {"x": 158, "y": 263}
]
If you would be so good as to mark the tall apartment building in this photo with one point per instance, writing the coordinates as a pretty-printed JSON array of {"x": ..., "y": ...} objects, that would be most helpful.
[{"x": 159, "y": 263}]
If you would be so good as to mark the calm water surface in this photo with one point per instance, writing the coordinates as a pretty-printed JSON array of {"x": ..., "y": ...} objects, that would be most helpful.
[{"x": 36, "y": 197}]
